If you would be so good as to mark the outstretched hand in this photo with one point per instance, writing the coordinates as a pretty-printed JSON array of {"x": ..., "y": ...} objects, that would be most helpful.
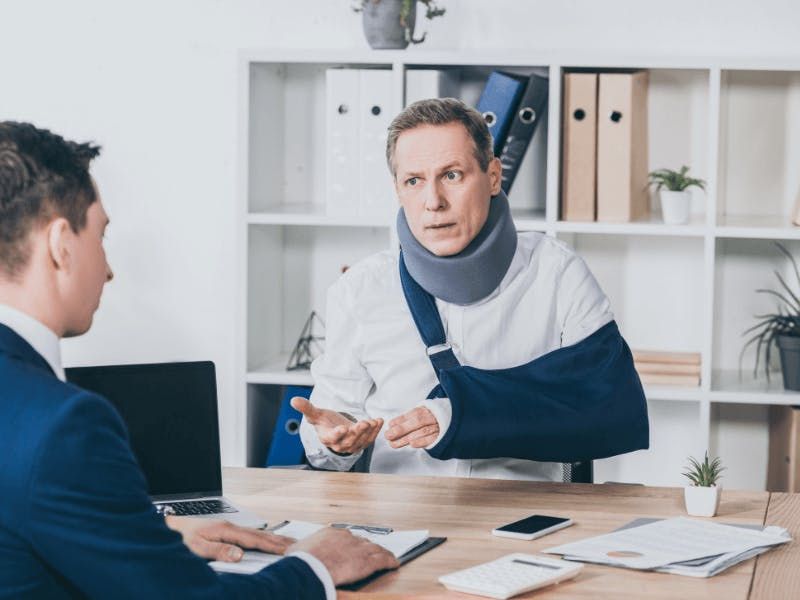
[{"x": 336, "y": 431}]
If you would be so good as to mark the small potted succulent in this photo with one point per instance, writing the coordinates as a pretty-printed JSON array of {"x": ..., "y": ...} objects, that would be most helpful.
[
  {"x": 780, "y": 328},
  {"x": 676, "y": 198},
  {"x": 389, "y": 24},
  {"x": 702, "y": 496}
]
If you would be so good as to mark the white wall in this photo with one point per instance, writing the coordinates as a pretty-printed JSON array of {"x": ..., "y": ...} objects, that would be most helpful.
[{"x": 155, "y": 84}]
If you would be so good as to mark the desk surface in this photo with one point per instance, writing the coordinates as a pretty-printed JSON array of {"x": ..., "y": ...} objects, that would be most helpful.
[{"x": 466, "y": 510}]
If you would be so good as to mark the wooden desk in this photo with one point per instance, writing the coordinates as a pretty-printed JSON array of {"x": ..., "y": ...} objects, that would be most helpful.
[{"x": 466, "y": 510}]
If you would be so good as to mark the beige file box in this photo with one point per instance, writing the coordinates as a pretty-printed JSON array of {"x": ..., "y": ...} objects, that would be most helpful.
[
  {"x": 579, "y": 146},
  {"x": 622, "y": 147}
]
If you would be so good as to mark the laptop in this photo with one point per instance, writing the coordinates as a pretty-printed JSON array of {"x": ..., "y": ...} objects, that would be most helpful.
[{"x": 170, "y": 410}]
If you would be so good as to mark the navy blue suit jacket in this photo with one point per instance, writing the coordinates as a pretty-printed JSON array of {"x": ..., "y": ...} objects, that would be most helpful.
[{"x": 75, "y": 518}]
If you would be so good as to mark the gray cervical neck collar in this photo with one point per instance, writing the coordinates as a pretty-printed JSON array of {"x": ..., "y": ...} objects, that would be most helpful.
[{"x": 473, "y": 273}]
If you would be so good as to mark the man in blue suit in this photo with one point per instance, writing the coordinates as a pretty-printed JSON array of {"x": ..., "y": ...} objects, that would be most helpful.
[{"x": 75, "y": 518}]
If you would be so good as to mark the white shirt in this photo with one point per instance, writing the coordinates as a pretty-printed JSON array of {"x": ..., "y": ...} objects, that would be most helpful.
[
  {"x": 39, "y": 336},
  {"x": 375, "y": 363},
  {"x": 46, "y": 343}
]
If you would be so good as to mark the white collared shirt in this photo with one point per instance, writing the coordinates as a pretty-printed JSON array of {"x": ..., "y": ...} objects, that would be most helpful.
[
  {"x": 39, "y": 336},
  {"x": 375, "y": 363}
]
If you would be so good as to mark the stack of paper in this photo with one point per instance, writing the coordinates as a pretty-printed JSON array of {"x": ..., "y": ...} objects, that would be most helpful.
[
  {"x": 397, "y": 542},
  {"x": 680, "y": 546}
]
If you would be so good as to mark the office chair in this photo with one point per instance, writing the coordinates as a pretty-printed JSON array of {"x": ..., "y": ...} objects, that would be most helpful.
[{"x": 578, "y": 472}]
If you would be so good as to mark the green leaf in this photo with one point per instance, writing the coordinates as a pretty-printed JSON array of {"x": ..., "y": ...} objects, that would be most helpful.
[{"x": 704, "y": 474}]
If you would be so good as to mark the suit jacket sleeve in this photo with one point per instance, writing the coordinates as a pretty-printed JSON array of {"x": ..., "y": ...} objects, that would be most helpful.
[{"x": 89, "y": 517}]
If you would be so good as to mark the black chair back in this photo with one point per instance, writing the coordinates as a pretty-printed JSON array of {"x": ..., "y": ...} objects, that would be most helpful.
[{"x": 579, "y": 472}]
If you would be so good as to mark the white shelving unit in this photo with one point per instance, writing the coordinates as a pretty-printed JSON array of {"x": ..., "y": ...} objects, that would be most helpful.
[{"x": 686, "y": 288}]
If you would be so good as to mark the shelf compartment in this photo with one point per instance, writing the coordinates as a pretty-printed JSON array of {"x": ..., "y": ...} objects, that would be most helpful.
[
  {"x": 739, "y": 434},
  {"x": 655, "y": 285},
  {"x": 287, "y": 134},
  {"x": 759, "y": 143},
  {"x": 289, "y": 271},
  {"x": 741, "y": 267},
  {"x": 678, "y": 103}
]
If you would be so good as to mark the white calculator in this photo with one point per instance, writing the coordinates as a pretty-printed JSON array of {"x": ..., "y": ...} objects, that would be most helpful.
[{"x": 510, "y": 575}]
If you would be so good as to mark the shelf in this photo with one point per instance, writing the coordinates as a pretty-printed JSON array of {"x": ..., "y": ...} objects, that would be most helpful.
[
  {"x": 726, "y": 386},
  {"x": 731, "y": 387},
  {"x": 677, "y": 393},
  {"x": 764, "y": 227},
  {"x": 274, "y": 373},
  {"x": 314, "y": 215},
  {"x": 651, "y": 226},
  {"x": 529, "y": 219},
  {"x": 491, "y": 57}
]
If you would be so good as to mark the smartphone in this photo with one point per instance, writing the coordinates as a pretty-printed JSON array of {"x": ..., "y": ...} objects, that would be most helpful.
[{"x": 532, "y": 527}]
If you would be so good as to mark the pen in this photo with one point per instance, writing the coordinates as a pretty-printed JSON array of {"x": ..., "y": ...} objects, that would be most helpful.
[
  {"x": 368, "y": 528},
  {"x": 274, "y": 527}
]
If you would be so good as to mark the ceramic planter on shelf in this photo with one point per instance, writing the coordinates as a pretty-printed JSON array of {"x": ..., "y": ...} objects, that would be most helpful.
[
  {"x": 702, "y": 501},
  {"x": 676, "y": 206},
  {"x": 789, "y": 346},
  {"x": 382, "y": 27}
]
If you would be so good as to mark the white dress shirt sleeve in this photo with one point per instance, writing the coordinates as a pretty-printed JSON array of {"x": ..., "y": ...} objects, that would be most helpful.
[
  {"x": 320, "y": 571},
  {"x": 341, "y": 382},
  {"x": 583, "y": 308}
]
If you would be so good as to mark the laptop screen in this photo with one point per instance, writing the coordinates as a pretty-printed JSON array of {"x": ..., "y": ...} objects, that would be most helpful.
[{"x": 170, "y": 410}]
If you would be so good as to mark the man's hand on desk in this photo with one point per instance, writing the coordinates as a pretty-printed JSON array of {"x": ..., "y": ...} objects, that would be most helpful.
[
  {"x": 417, "y": 428},
  {"x": 220, "y": 540},
  {"x": 335, "y": 430},
  {"x": 347, "y": 557}
]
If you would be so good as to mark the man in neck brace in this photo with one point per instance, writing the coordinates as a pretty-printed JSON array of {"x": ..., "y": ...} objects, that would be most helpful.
[{"x": 474, "y": 350}]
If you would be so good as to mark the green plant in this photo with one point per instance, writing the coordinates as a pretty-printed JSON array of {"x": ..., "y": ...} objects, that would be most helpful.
[
  {"x": 704, "y": 474},
  {"x": 786, "y": 321},
  {"x": 674, "y": 181},
  {"x": 432, "y": 10}
]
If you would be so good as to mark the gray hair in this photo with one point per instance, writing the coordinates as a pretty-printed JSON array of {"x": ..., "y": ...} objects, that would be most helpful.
[{"x": 442, "y": 111}]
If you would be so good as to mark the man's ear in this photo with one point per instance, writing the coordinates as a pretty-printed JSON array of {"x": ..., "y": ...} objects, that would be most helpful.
[
  {"x": 58, "y": 234},
  {"x": 495, "y": 171}
]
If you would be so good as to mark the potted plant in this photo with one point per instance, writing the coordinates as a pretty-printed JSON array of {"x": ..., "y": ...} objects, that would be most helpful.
[
  {"x": 673, "y": 188},
  {"x": 780, "y": 328},
  {"x": 702, "y": 496},
  {"x": 389, "y": 24}
]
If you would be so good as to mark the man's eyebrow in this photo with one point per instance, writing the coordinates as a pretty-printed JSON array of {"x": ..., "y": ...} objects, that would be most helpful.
[
  {"x": 444, "y": 169},
  {"x": 108, "y": 222},
  {"x": 449, "y": 166}
]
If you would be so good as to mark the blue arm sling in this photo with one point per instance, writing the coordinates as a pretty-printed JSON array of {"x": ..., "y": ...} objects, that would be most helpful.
[{"x": 576, "y": 403}]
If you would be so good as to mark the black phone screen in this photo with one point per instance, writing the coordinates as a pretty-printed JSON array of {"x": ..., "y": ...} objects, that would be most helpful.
[{"x": 532, "y": 524}]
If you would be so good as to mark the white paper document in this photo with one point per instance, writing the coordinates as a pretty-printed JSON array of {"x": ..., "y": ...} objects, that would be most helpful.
[
  {"x": 397, "y": 542},
  {"x": 664, "y": 543}
]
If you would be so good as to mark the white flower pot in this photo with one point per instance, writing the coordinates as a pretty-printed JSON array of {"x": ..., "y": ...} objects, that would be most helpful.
[
  {"x": 675, "y": 206},
  {"x": 702, "y": 501}
]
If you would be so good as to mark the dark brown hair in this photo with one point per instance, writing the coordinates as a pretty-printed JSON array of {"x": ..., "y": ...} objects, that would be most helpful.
[{"x": 42, "y": 176}]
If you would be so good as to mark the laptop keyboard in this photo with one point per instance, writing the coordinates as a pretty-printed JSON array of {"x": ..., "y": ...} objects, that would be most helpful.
[{"x": 200, "y": 507}]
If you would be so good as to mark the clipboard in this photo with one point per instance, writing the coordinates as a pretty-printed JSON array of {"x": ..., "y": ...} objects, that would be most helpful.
[{"x": 428, "y": 544}]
